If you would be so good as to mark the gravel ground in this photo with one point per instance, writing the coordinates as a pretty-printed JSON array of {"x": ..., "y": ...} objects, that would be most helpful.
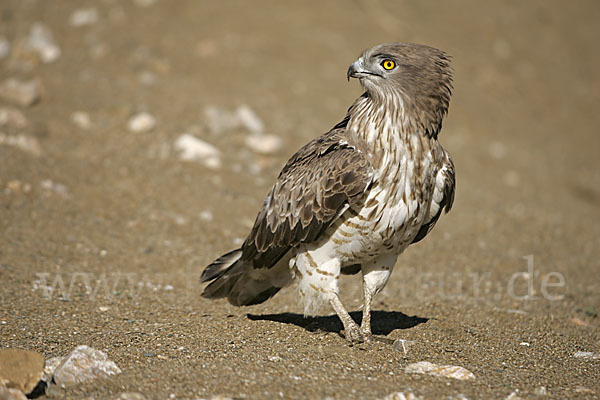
[{"x": 129, "y": 159}]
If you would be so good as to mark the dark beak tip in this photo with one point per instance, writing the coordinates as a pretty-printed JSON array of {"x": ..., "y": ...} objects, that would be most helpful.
[{"x": 350, "y": 72}]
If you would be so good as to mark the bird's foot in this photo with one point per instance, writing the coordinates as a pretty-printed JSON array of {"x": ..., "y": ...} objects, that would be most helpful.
[
  {"x": 355, "y": 335},
  {"x": 366, "y": 334}
]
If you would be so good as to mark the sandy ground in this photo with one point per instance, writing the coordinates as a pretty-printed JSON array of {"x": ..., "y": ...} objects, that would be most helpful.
[{"x": 122, "y": 211}]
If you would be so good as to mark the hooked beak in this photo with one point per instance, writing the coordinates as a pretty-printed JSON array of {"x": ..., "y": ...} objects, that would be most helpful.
[
  {"x": 352, "y": 71},
  {"x": 358, "y": 70}
]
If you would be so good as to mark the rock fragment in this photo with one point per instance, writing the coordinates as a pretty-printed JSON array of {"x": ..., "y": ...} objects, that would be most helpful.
[
  {"x": 191, "y": 148},
  {"x": 141, "y": 122},
  {"x": 20, "y": 369},
  {"x": 587, "y": 355},
  {"x": 219, "y": 120},
  {"x": 248, "y": 119},
  {"x": 83, "y": 17},
  {"x": 402, "y": 396},
  {"x": 12, "y": 118},
  {"x": 22, "y": 93},
  {"x": 263, "y": 143},
  {"x": 25, "y": 143},
  {"x": 41, "y": 41},
  {"x": 131, "y": 396},
  {"x": 84, "y": 364},
  {"x": 448, "y": 371},
  {"x": 81, "y": 119}
]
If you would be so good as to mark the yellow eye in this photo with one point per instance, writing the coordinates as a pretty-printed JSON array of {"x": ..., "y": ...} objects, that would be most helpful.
[{"x": 388, "y": 64}]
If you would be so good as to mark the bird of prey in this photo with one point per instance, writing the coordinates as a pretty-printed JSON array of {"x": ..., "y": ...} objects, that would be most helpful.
[{"x": 354, "y": 198}]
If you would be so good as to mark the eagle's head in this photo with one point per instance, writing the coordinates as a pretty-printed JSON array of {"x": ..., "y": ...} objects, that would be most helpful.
[{"x": 415, "y": 77}]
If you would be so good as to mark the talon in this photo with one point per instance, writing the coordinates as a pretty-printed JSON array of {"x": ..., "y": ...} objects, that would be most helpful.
[{"x": 353, "y": 336}]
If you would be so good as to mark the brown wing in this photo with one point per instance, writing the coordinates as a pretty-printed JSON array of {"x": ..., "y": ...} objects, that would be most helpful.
[
  {"x": 314, "y": 186},
  {"x": 443, "y": 197}
]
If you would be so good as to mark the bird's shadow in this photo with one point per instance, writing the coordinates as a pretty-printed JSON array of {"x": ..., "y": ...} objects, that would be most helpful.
[{"x": 382, "y": 322}]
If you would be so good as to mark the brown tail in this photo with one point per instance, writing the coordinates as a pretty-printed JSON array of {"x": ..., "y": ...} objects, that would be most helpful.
[{"x": 231, "y": 278}]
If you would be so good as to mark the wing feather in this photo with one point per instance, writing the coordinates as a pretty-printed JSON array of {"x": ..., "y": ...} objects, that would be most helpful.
[
  {"x": 443, "y": 197},
  {"x": 321, "y": 179}
]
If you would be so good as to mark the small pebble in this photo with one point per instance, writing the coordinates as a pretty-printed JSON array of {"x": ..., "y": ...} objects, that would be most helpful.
[
  {"x": 41, "y": 41},
  {"x": 587, "y": 355},
  {"x": 57, "y": 188},
  {"x": 25, "y": 143},
  {"x": 541, "y": 391},
  {"x": 402, "y": 396},
  {"x": 22, "y": 93},
  {"x": 103, "y": 308},
  {"x": 81, "y": 119},
  {"x": 12, "y": 118},
  {"x": 206, "y": 215},
  {"x": 263, "y": 144},
  {"x": 83, "y": 17},
  {"x": 131, "y": 396},
  {"x": 448, "y": 371},
  {"x": 524, "y": 344},
  {"x": 248, "y": 119},
  {"x": 191, "y": 148},
  {"x": 141, "y": 122}
]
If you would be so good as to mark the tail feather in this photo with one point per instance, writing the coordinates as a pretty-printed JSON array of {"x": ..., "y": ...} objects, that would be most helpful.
[
  {"x": 238, "y": 282},
  {"x": 221, "y": 265}
]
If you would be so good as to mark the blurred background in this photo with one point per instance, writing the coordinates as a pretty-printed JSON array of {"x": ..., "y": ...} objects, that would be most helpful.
[{"x": 142, "y": 136}]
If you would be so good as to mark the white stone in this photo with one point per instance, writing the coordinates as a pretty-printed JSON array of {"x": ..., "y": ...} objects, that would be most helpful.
[
  {"x": 57, "y": 188},
  {"x": 448, "y": 371},
  {"x": 191, "y": 148},
  {"x": 141, "y": 122},
  {"x": 131, "y": 396},
  {"x": 249, "y": 120},
  {"x": 84, "y": 364},
  {"x": 588, "y": 355},
  {"x": 50, "y": 367},
  {"x": 25, "y": 143},
  {"x": 206, "y": 215},
  {"x": 402, "y": 396},
  {"x": 81, "y": 119},
  {"x": 12, "y": 118},
  {"x": 41, "y": 41},
  {"x": 22, "y": 93},
  {"x": 83, "y": 17},
  {"x": 263, "y": 143}
]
